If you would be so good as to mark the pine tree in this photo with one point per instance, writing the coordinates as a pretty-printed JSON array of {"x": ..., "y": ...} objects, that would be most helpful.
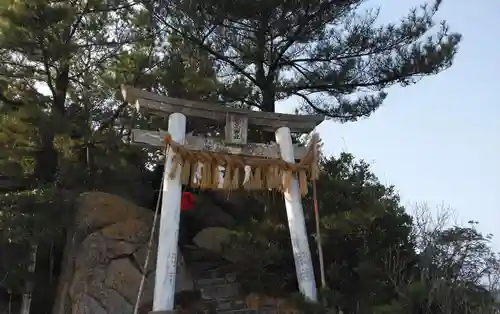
[{"x": 331, "y": 55}]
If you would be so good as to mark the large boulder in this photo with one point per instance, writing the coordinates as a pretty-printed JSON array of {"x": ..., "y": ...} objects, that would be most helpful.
[
  {"x": 104, "y": 258},
  {"x": 217, "y": 240},
  {"x": 213, "y": 239}
]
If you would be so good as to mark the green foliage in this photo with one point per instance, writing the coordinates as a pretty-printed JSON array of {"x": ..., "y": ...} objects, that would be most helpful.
[
  {"x": 59, "y": 128},
  {"x": 27, "y": 217},
  {"x": 334, "y": 56},
  {"x": 361, "y": 222},
  {"x": 377, "y": 258},
  {"x": 61, "y": 125}
]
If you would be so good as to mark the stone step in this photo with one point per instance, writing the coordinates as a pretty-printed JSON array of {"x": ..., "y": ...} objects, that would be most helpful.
[
  {"x": 230, "y": 304},
  {"x": 224, "y": 291},
  {"x": 196, "y": 255},
  {"x": 270, "y": 310},
  {"x": 207, "y": 282},
  {"x": 240, "y": 311},
  {"x": 208, "y": 273},
  {"x": 213, "y": 273},
  {"x": 202, "y": 265}
]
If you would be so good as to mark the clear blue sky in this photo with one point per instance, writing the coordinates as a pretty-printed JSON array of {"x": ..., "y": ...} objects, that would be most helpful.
[{"x": 439, "y": 141}]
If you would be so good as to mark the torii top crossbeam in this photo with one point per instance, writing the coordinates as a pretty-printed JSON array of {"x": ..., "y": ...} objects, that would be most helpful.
[{"x": 148, "y": 102}]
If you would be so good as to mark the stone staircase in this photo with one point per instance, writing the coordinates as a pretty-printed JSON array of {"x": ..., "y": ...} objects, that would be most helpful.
[
  {"x": 217, "y": 282},
  {"x": 215, "y": 278},
  {"x": 222, "y": 292}
]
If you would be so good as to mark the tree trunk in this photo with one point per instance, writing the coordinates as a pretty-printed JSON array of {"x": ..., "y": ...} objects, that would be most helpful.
[
  {"x": 46, "y": 157},
  {"x": 268, "y": 98},
  {"x": 29, "y": 285}
]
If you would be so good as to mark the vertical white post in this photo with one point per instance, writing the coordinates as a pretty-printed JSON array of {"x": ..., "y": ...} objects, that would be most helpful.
[
  {"x": 296, "y": 222},
  {"x": 166, "y": 261}
]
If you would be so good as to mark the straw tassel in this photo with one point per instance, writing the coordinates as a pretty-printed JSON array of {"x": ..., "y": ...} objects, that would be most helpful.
[
  {"x": 215, "y": 175},
  {"x": 175, "y": 166},
  {"x": 206, "y": 174},
  {"x": 303, "y": 182},
  {"x": 227, "y": 177},
  {"x": 276, "y": 178},
  {"x": 288, "y": 179},
  {"x": 269, "y": 178},
  {"x": 236, "y": 178},
  {"x": 257, "y": 179},
  {"x": 210, "y": 173},
  {"x": 186, "y": 173},
  {"x": 194, "y": 175},
  {"x": 315, "y": 170},
  {"x": 280, "y": 179},
  {"x": 202, "y": 169}
]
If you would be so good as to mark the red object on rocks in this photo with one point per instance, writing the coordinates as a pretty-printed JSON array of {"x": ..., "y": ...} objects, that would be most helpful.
[{"x": 188, "y": 201}]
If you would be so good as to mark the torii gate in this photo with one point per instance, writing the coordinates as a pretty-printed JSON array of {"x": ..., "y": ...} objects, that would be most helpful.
[{"x": 191, "y": 151}]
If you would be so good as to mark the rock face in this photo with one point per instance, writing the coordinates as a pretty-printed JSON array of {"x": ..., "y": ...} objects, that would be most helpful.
[
  {"x": 105, "y": 254},
  {"x": 104, "y": 257}
]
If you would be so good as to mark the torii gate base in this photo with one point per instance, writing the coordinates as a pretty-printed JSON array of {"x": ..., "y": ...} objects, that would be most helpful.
[{"x": 171, "y": 195}]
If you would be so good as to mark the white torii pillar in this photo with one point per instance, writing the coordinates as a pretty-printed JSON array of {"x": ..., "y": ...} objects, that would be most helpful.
[
  {"x": 166, "y": 261},
  {"x": 296, "y": 222}
]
